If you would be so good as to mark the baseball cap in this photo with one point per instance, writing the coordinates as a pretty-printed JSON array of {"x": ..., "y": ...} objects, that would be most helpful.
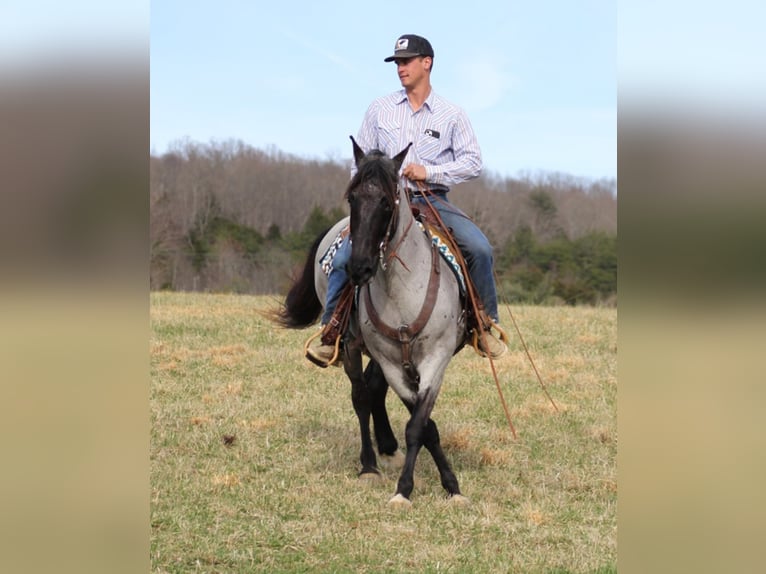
[{"x": 411, "y": 45}]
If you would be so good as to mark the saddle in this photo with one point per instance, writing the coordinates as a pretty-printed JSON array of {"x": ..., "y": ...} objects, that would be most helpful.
[{"x": 473, "y": 309}]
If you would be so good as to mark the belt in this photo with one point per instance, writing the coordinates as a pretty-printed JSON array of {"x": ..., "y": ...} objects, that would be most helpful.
[{"x": 419, "y": 193}]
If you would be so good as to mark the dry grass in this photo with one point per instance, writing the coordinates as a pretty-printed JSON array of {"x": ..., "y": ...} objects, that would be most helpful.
[{"x": 254, "y": 452}]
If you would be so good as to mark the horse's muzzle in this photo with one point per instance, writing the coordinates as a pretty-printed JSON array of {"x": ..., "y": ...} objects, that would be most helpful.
[{"x": 362, "y": 273}]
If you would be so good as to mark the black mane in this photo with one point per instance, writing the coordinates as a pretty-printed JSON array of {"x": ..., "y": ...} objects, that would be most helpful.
[{"x": 377, "y": 167}]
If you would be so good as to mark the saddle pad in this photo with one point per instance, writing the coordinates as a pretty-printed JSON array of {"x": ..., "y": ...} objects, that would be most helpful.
[
  {"x": 326, "y": 261},
  {"x": 446, "y": 253},
  {"x": 444, "y": 250}
]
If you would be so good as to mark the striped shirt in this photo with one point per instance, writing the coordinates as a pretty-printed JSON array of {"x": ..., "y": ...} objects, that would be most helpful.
[{"x": 443, "y": 139}]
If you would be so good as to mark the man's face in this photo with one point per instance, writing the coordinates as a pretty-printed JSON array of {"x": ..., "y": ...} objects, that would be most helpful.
[{"x": 413, "y": 70}]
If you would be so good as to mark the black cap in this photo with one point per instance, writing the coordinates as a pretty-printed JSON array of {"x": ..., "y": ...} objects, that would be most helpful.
[{"x": 410, "y": 45}]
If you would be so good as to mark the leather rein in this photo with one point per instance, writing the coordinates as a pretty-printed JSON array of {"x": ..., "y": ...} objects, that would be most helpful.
[{"x": 405, "y": 333}]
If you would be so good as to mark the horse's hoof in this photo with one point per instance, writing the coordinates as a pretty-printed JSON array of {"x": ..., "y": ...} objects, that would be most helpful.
[
  {"x": 392, "y": 461},
  {"x": 458, "y": 500},
  {"x": 399, "y": 501}
]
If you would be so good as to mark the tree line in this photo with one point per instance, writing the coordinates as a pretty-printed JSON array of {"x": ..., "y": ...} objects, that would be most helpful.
[{"x": 227, "y": 217}]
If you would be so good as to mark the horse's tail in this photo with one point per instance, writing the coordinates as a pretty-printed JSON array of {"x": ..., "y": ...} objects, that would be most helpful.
[{"x": 302, "y": 306}]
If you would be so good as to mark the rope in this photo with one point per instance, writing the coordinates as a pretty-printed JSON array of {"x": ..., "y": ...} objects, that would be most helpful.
[
  {"x": 529, "y": 356},
  {"x": 471, "y": 297}
]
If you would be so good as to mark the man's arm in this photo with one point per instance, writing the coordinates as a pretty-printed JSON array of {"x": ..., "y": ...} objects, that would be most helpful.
[{"x": 467, "y": 163}]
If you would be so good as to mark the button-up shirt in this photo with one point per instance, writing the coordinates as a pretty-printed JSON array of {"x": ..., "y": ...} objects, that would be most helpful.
[{"x": 442, "y": 136}]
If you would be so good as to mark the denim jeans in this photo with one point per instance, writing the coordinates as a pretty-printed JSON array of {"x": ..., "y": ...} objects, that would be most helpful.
[
  {"x": 473, "y": 244},
  {"x": 337, "y": 279}
]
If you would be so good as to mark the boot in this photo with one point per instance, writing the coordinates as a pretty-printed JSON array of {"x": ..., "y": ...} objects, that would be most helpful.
[
  {"x": 328, "y": 350},
  {"x": 495, "y": 338},
  {"x": 321, "y": 353},
  {"x": 495, "y": 347}
]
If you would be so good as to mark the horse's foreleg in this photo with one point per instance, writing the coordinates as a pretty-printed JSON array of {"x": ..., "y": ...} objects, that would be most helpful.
[
  {"x": 361, "y": 399},
  {"x": 432, "y": 442},
  {"x": 378, "y": 388},
  {"x": 420, "y": 412}
]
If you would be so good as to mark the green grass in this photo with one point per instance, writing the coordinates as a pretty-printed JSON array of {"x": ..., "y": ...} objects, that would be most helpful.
[{"x": 284, "y": 496}]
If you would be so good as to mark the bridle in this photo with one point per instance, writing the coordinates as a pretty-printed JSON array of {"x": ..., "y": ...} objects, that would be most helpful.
[{"x": 392, "y": 227}]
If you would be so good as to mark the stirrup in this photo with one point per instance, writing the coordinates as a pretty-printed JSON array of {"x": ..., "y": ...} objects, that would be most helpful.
[
  {"x": 492, "y": 325},
  {"x": 316, "y": 361}
]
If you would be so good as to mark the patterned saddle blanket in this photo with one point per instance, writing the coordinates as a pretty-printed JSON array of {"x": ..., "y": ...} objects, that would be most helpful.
[{"x": 430, "y": 231}]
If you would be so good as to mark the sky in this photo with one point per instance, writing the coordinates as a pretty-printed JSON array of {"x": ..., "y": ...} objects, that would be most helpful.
[
  {"x": 538, "y": 84},
  {"x": 540, "y": 81}
]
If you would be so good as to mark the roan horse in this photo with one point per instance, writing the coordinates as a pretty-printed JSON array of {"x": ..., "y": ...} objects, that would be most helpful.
[{"x": 408, "y": 318}]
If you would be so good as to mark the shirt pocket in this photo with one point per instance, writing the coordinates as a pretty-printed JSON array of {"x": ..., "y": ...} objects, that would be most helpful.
[
  {"x": 429, "y": 148},
  {"x": 388, "y": 137}
]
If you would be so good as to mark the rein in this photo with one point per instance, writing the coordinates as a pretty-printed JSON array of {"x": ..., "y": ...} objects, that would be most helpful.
[
  {"x": 472, "y": 297},
  {"x": 475, "y": 302},
  {"x": 393, "y": 223}
]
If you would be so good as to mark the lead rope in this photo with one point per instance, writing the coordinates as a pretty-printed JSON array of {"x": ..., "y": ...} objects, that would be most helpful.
[
  {"x": 529, "y": 355},
  {"x": 471, "y": 297}
]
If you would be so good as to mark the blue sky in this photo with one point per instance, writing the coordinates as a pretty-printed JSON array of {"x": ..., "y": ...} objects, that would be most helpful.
[{"x": 538, "y": 79}]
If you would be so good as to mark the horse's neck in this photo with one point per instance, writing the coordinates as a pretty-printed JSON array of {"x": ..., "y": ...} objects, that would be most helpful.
[{"x": 409, "y": 251}]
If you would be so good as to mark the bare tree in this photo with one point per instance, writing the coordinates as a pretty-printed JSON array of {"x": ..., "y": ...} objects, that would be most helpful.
[{"x": 273, "y": 193}]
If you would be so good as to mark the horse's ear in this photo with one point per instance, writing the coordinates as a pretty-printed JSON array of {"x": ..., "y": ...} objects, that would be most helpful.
[
  {"x": 358, "y": 153},
  {"x": 399, "y": 158}
]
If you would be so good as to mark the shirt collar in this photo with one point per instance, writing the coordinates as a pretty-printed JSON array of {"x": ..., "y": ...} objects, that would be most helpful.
[{"x": 401, "y": 97}]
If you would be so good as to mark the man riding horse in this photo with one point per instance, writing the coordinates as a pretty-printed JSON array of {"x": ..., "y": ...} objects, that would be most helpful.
[{"x": 445, "y": 152}]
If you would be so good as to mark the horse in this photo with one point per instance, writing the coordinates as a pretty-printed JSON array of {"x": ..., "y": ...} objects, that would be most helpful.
[{"x": 408, "y": 318}]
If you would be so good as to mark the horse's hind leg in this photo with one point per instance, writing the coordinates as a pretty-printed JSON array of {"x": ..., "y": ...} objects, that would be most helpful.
[
  {"x": 378, "y": 388},
  {"x": 362, "y": 401}
]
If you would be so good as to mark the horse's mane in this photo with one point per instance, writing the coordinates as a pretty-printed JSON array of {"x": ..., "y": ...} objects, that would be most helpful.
[{"x": 375, "y": 166}]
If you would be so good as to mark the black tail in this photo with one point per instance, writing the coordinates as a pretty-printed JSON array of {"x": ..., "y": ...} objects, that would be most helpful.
[{"x": 302, "y": 306}]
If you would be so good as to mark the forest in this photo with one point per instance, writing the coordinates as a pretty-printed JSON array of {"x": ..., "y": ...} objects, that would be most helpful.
[{"x": 227, "y": 217}]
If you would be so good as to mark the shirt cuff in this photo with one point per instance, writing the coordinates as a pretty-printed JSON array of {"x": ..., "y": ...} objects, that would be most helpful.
[{"x": 432, "y": 175}]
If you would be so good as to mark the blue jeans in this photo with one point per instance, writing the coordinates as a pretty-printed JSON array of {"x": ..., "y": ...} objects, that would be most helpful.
[
  {"x": 473, "y": 244},
  {"x": 337, "y": 279}
]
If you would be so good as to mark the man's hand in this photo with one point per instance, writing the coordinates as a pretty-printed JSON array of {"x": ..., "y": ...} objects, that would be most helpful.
[{"x": 414, "y": 172}]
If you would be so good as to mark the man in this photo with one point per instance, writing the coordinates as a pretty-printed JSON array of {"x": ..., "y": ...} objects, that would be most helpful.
[{"x": 444, "y": 153}]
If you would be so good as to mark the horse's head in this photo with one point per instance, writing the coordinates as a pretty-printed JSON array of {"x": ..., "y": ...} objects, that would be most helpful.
[{"x": 373, "y": 198}]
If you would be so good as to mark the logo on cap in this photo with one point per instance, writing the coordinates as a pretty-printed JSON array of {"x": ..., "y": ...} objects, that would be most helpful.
[{"x": 402, "y": 43}]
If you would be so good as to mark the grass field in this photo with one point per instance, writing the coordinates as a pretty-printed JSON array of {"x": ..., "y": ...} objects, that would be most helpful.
[{"x": 254, "y": 452}]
